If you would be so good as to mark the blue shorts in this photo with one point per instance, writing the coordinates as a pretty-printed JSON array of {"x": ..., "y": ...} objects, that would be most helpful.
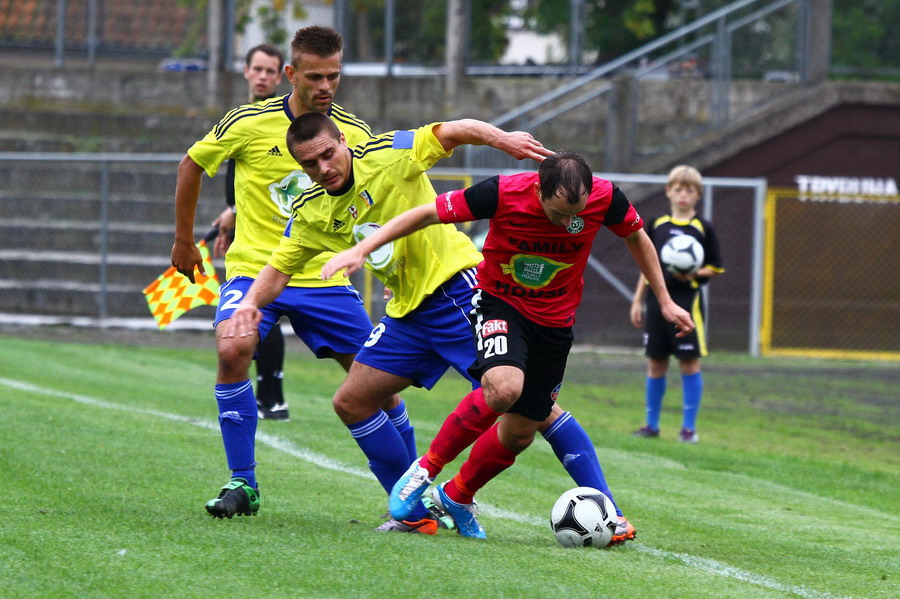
[
  {"x": 422, "y": 345},
  {"x": 327, "y": 319}
]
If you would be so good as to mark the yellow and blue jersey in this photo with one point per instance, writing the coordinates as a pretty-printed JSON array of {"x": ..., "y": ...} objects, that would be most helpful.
[
  {"x": 388, "y": 179},
  {"x": 267, "y": 180}
]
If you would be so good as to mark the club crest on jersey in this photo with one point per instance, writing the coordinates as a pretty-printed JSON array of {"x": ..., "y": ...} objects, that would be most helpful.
[
  {"x": 288, "y": 189},
  {"x": 532, "y": 271},
  {"x": 353, "y": 211},
  {"x": 576, "y": 226},
  {"x": 491, "y": 327},
  {"x": 367, "y": 198},
  {"x": 555, "y": 393}
]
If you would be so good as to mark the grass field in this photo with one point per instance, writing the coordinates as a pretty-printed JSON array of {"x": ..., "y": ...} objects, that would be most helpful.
[{"x": 110, "y": 450}]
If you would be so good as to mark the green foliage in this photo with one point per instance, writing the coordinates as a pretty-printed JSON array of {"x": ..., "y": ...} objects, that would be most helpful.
[
  {"x": 420, "y": 30},
  {"x": 865, "y": 33},
  {"x": 270, "y": 16},
  {"x": 611, "y": 28}
]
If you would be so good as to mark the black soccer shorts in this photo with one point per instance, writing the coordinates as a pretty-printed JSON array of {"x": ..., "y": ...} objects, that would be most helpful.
[
  {"x": 505, "y": 337},
  {"x": 659, "y": 336}
]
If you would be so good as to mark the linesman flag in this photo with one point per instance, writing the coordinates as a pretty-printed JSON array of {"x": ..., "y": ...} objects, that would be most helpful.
[{"x": 171, "y": 294}]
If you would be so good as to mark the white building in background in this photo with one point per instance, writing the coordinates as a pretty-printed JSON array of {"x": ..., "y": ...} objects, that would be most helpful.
[{"x": 527, "y": 47}]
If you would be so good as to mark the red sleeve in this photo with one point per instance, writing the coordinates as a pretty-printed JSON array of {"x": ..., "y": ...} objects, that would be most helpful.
[
  {"x": 452, "y": 207},
  {"x": 631, "y": 223}
]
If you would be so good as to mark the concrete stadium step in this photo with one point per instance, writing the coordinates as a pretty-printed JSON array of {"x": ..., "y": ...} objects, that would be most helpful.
[
  {"x": 63, "y": 298},
  {"x": 157, "y": 132},
  {"x": 86, "y": 206},
  {"x": 87, "y": 236},
  {"x": 121, "y": 269}
]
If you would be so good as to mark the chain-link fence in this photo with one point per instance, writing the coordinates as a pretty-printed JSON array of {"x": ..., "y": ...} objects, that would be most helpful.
[{"x": 832, "y": 285}]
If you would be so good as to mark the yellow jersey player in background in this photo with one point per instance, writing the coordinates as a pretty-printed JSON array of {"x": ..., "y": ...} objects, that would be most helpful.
[{"x": 263, "y": 71}]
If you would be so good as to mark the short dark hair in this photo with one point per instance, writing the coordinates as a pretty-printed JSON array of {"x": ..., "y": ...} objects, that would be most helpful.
[
  {"x": 309, "y": 125},
  {"x": 567, "y": 172},
  {"x": 269, "y": 49},
  {"x": 317, "y": 40}
]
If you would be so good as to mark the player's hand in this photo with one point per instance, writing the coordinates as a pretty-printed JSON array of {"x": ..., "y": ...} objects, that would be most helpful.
[
  {"x": 350, "y": 261},
  {"x": 186, "y": 258},
  {"x": 521, "y": 145},
  {"x": 244, "y": 322},
  {"x": 678, "y": 316},
  {"x": 386, "y": 296},
  {"x": 637, "y": 315},
  {"x": 225, "y": 222}
]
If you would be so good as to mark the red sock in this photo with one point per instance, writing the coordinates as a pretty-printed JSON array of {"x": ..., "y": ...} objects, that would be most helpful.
[
  {"x": 488, "y": 459},
  {"x": 464, "y": 424}
]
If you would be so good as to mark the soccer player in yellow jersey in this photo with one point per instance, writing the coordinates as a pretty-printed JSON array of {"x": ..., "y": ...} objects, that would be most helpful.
[
  {"x": 263, "y": 70},
  {"x": 431, "y": 272},
  {"x": 328, "y": 316}
]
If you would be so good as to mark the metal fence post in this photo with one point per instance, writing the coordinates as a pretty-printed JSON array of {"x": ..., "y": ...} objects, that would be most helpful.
[
  {"x": 60, "y": 42},
  {"x": 104, "y": 240},
  {"x": 721, "y": 73}
]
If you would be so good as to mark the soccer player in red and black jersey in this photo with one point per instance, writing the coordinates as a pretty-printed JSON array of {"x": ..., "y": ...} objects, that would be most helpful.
[{"x": 542, "y": 226}]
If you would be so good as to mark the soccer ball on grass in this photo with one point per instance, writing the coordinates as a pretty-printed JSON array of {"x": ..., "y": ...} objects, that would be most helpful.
[
  {"x": 583, "y": 517},
  {"x": 682, "y": 255}
]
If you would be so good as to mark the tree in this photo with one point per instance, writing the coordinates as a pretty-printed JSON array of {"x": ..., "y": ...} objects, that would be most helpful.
[
  {"x": 611, "y": 27},
  {"x": 420, "y": 29}
]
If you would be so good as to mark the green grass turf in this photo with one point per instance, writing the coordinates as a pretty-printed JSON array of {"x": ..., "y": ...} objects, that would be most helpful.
[{"x": 110, "y": 451}]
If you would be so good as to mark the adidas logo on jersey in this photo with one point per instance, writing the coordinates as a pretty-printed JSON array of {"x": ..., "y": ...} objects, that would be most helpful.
[
  {"x": 274, "y": 151},
  {"x": 337, "y": 224}
]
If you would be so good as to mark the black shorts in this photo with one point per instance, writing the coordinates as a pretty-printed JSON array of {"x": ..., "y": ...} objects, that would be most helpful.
[
  {"x": 504, "y": 337},
  {"x": 659, "y": 336}
]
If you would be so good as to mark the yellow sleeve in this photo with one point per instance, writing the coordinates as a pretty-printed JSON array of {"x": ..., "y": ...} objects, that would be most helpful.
[{"x": 425, "y": 150}]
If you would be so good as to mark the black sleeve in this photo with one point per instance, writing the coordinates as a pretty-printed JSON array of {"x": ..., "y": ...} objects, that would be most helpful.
[
  {"x": 229, "y": 183},
  {"x": 618, "y": 208},
  {"x": 482, "y": 198}
]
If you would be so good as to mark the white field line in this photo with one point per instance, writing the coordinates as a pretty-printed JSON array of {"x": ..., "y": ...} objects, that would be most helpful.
[{"x": 698, "y": 563}]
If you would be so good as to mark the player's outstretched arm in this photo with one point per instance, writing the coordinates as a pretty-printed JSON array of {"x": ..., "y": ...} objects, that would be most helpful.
[
  {"x": 644, "y": 255},
  {"x": 401, "y": 225},
  {"x": 518, "y": 144},
  {"x": 185, "y": 255},
  {"x": 265, "y": 289}
]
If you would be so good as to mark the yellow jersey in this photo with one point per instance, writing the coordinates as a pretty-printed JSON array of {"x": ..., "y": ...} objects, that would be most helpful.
[
  {"x": 266, "y": 179},
  {"x": 388, "y": 179}
]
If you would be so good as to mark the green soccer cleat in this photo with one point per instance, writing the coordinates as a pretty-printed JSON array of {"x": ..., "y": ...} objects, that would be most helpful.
[
  {"x": 237, "y": 497},
  {"x": 443, "y": 518}
]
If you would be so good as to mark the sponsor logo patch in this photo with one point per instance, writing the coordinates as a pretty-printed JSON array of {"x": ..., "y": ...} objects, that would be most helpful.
[
  {"x": 274, "y": 151},
  {"x": 532, "y": 271},
  {"x": 491, "y": 327},
  {"x": 555, "y": 393}
]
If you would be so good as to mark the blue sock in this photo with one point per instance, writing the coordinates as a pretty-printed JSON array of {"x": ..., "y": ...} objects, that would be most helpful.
[
  {"x": 400, "y": 419},
  {"x": 237, "y": 421},
  {"x": 656, "y": 390},
  {"x": 574, "y": 449},
  {"x": 692, "y": 391},
  {"x": 387, "y": 453}
]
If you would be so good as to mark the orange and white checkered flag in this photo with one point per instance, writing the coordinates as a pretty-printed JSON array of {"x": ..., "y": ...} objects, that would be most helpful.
[{"x": 171, "y": 294}]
